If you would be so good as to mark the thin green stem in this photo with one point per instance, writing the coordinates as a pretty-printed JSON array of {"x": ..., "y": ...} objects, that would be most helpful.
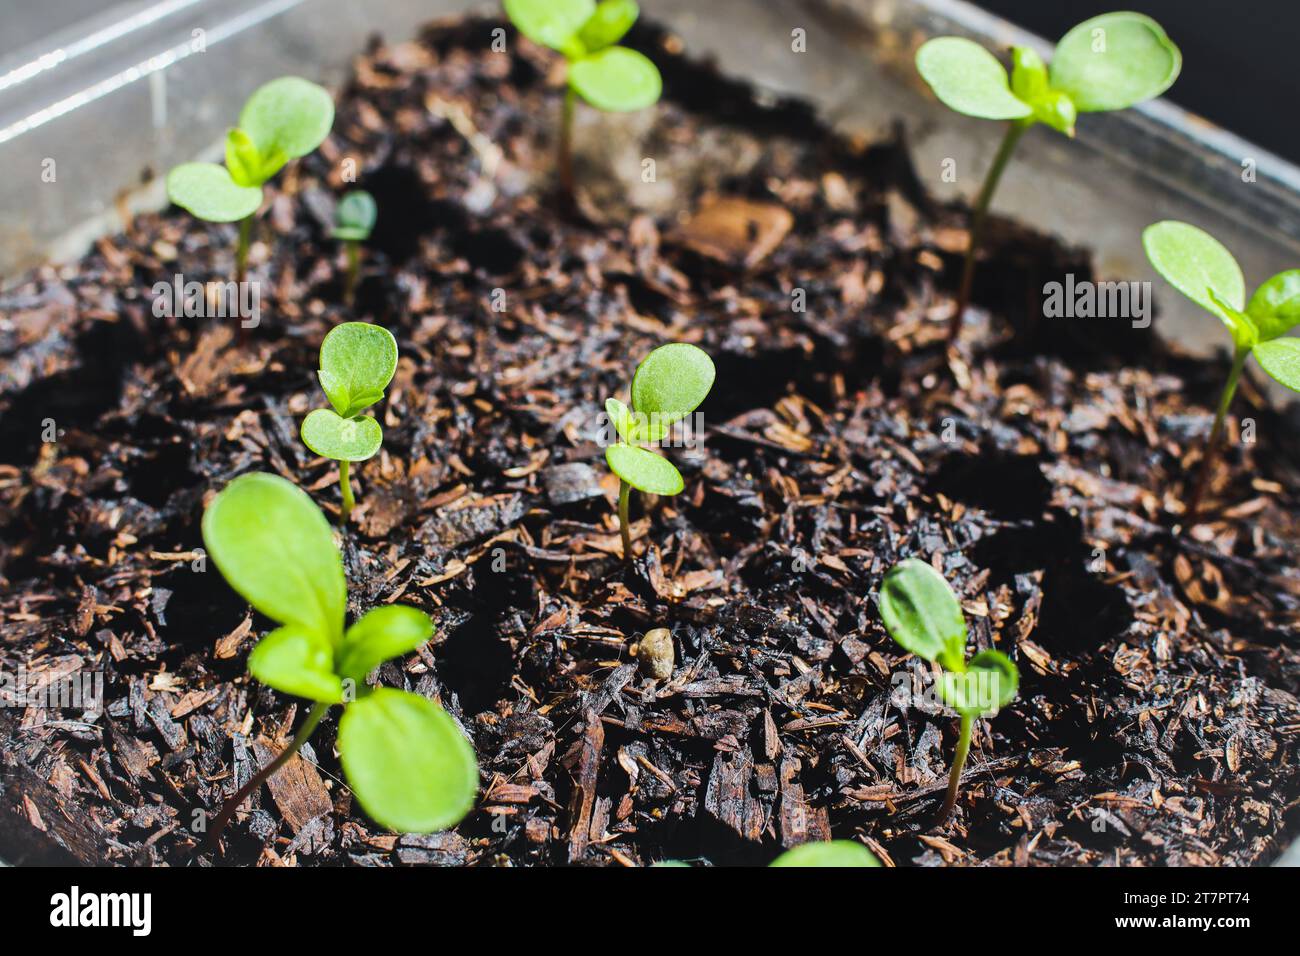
[
  {"x": 241, "y": 250},
  {"x": 1212, "y": 445},
  {"x": 227, "y": 813},
  {"x": 958, "y": 764},
  {"x": 624, "y": 494},
  {"x": 345, "y": 484},
  {"x": 1015, "y": 129},
  {"x": 354, "y": 268},
  {"x": 564, "y": 149}
]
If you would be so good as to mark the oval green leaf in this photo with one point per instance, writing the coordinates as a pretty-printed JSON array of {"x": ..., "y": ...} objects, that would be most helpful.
[
  {"x": 922, "y": 614},
  {"x": 1281, "y": 359},
  {"x": 274, "y": 546},
  {"x": 969, "y": 79},
  {"x": 382, "y": 634},
  {"x": 355, "y": 217},
  {"x": 837, "y": 853},
  {"x": 342, "y": 439},
  {"x": 644, "y": 470},
  {"x": 1198, "y": 266},
  {"x": 1115, "y": 60},
  {"x": 290, "y": 114},
  {"x": 986, "y": 686},
  {"x": 357, "y": 361},
  {"x": 1275, "y": 306},
  {"x": 669, "y": 384},
  {"x": 617, "y": 80},
  {"x": 605, "y": 27},
  {"x": 411, "y": 768},
  {"x": 207, "y": 191},
  {"x": 620, "y": 417},
  {"x": 298, "y": 661},
  {"x": 553, "y": 23}
]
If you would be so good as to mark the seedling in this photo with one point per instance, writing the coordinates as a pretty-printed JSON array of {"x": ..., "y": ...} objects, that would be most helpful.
[
  {"x": 408, "y": 763},
  {"x": 922, "y": 614},
  {"x": 1109, "y": 62},
  {"x": 609, "y": 77},
  {"x": 357, "y": 361},
  {"x": 354, "y": 219},
  {"x": 668, "y": 385},
  {"x": 1199, "y": 267},
  {"x": 832, "y": 853},
  {"x": 282, "y": 120}
]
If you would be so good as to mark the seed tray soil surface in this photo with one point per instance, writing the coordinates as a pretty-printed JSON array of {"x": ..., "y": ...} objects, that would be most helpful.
[{"x": 1044, "y": 473}]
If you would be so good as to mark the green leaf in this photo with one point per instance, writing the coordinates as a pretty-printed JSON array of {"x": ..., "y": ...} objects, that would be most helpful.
[
  {"x": 553, "y": 23},
  {"x": 1028, "y": 74},
  {"x": 382, "y": 634},
  {"x": 247, "y": 165},
  {"x": 342, "y": 439},
  {"x": 969, "y": 79},
  {"x": 290, "y": 114},
  {"x": 1275, "y": 306},
  {"x": 298, "y": 661},
  {"x": 408, "y": 764},
  {"x": 357, "y": 361},
  {"x": 1113, "y": 61},
  {"x": 620, "y": 417},
  {"x": 605, "y": 27},
  {"x": 644, "y": 470},
  {"x": 355, "y": 216},
  {"x": 273, "y": 545},
  {"x": 923, "y": 615},
  {"x": 616, "y": 80},
  {"x": 1198, "y": 266},
  {"x": 670, "y": 383},
  {"x": 207, "y": 191},
  {"x": 988, "y": 684},
  {"x": 1281, "y": 359},
  {"x": 837, "y": 853}
]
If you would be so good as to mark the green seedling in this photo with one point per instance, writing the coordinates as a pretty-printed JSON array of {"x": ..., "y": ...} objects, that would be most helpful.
[
  {"x": 406, "y": 760},
  {"x": 923, "y": 615},
  {"x": 668, "y": 385},
  {"x": 282, "y": 120},
  {"x": 610, "y": 77},
  {"x": 354, "y": 220},
  {"x": 1109, "y": 62},
  {"x": 832, "y": 853},
  {"x": 1199, "y": 267},
  {"x": 357, "y": 361}
]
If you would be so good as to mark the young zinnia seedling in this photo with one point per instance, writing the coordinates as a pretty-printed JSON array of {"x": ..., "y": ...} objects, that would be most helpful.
[
  {"x": 923, "y": 615},
  {"x": 1199, "y": 267},
  {"x": 668, "y": 385},
  {"x": 357, "y": 361},
  {"x": 609, "y": 77},
  {"x": 406, "y": 760},
  {"x": 282, "y": 120},
  {"x": 354, "y": 220},
  {"x": 1110, "y": 62}
]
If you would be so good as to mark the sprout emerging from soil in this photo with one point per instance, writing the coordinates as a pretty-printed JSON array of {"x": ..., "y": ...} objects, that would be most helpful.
[
  {"x": 609, "y": 77},
  {"x": 923, "y": 615},
  {"x": 354, "y": 220},
  {"x": 1109, "y": 62},
  {"x": 668, "y": 385},
  {"x": 833, "y": 853},
  {"x": 357, "y": 361},
  {"x": 408, "y": 763},
  {"x": 282, "y": 120},
  {"x": 1199, "y": 267}
]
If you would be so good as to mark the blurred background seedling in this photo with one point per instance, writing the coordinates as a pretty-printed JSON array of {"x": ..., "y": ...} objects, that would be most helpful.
[{"x": 354, "y": 220}]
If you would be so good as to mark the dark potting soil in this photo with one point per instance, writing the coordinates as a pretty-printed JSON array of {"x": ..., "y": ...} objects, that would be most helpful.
[{"x": 1045, "y": 474}]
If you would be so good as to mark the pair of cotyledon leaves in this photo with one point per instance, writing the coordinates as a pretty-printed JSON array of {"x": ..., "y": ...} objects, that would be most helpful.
[
  {"x": 1198, "y": 266},
  {"x": 668, "y": 385},
  {"x": 282, "y": 120},
  {"x": 1109, "y": 62},
  {"x": 406, "y": 760},
  {"x": 357, "y": 361},
  {"x": 609, "y": 77},
  {"x": 923, "y": 615}
]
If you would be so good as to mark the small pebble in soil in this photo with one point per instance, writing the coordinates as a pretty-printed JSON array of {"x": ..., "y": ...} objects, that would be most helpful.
[{"x": 655, "y": 652}]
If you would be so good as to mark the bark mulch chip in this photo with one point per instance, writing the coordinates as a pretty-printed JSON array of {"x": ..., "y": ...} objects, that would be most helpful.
[{"x": 1044, "y": 475}]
